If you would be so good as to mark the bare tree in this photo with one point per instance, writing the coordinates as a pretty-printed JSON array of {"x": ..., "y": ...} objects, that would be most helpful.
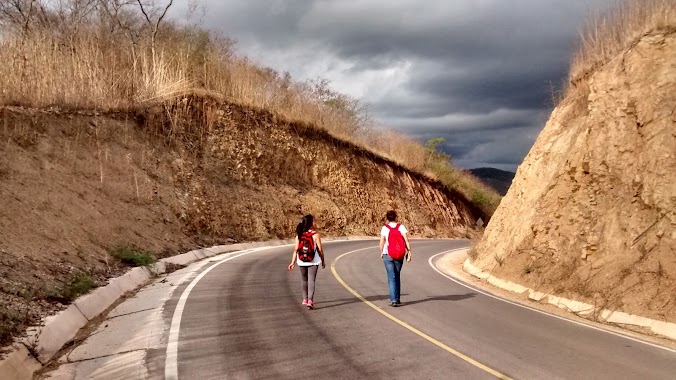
[
  {"x": 351, "y": 109},
  {"x": 154, "y": 14},
  {"x": 195, "y": 6},
  {"x": 22, "y": 15},
  {"x": 61, "y": 16},
  {"x": 122, "y": 18},
  {"x": 72, "y": 15}
]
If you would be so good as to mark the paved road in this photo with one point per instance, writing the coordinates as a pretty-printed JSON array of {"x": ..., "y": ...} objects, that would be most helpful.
[{"x": 243, "y": 320}]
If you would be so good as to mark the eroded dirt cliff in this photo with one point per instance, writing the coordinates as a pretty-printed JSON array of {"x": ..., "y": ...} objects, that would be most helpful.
[
  {"x": 174, "y": 177},
  {"x": 591, "y": 214}
]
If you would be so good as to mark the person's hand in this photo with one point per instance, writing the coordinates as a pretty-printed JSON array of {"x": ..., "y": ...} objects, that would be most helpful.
[
  {"x": 323, "y": 265},
  {"x": 291, "y": 266},
  {"x": 408, "y": 257}
]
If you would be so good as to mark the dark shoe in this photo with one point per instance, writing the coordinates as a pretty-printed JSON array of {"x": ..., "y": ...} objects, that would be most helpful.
[
  {"x": 393, "y": 304},
  {"x": 398, "y": 303}
]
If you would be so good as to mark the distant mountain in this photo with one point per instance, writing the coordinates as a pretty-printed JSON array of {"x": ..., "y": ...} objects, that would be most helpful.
[{"x": 500, "y": 180}]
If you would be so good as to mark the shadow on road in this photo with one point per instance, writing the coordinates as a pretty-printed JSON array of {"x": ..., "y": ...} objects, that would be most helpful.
[
  {"x": 347, "y": 301},
  {"x": 450, "y": 297}
]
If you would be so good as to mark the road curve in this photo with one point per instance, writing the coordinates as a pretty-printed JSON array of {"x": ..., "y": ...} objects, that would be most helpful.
[{"x": 242, "y": 319}]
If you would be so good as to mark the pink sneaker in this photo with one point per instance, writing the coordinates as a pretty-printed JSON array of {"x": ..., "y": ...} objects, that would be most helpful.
[
  {"x": 304, "y": 302},
  {"x": 310, "y": 305}
]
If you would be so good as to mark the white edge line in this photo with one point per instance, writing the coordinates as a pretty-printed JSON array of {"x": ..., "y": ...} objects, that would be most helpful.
[
  {"x": 536, "y": 310},
  {"x": 171, "y": 360}
]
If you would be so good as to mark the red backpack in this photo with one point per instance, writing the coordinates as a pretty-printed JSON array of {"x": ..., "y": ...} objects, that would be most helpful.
[
  {"x": 396, "y": 246},
  {"x": 306, "y": 247}
]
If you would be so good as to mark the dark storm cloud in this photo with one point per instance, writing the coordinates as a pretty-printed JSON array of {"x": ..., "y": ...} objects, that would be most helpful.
[
  {"x": 492, "y": 84},
  {"x": 478, "y": 73},
  {"x": 468, "y": 122}
]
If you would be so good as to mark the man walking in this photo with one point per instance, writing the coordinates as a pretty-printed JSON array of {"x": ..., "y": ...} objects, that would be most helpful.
[{"x": 394, "y": 248}]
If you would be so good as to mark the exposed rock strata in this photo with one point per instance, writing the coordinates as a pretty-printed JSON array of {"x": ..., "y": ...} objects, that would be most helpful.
[{"x": 591, "y": 213}]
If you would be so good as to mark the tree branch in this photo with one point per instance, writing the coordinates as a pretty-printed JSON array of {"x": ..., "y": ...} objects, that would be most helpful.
[
  {"x": 159, "y": 20},
  {"x": 143, "y": 10}
]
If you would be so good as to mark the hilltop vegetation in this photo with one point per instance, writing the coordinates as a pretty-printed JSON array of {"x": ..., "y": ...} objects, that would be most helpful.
[
  {"x": 613, "y": 31},
  {"x": 498, "y": 180},
  {"x": 124, "y": 55}
]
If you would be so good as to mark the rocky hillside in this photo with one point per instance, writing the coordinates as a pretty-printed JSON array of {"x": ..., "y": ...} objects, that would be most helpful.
[
  {"x": 591, "y": 214},
  {"x": 498, "y": 180},
  {"x": 170, "y": 178}
]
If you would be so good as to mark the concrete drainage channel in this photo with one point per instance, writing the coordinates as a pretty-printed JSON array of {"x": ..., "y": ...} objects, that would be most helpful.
[
  {"x": 662, "y": 328},
  {"x": 59, "y": 330}
]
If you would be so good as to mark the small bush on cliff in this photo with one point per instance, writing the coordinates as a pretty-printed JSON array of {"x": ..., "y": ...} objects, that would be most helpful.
[
  {"x": 132, "y": 255},
  {"x": 15, "y": 314},
  {"x": 78, "y": 284},
  {"x": 473, "y": 253}
]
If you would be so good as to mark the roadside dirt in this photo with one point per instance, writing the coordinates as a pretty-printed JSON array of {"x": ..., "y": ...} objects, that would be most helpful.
[{"x": 68, "y": 194}]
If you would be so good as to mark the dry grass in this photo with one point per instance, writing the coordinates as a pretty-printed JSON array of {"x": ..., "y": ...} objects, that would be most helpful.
[
  {"x": 116, "y": 64},
  {"x": 607, "y": 34},
  {"x": 397, "y": 147}
]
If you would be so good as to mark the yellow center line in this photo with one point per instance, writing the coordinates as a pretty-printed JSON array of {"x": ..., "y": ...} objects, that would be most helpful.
[{"x": 409, "y": 327}]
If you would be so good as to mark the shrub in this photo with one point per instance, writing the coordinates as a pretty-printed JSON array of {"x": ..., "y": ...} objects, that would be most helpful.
[
  {"x": 78, "y": 283},
  {"x": 132, "y": 255},
  {"x": 473, "y": 253},
  {"x": 439, "y": 165}
]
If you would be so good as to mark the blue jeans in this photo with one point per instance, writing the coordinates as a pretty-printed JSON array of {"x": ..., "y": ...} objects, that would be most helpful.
[{"x": 393, "y": 268}]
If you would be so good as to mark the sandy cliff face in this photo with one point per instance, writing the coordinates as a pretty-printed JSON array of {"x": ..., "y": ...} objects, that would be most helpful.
[
  {"x": 257, "y": 178},
  {"x": 591, "y": 214}
]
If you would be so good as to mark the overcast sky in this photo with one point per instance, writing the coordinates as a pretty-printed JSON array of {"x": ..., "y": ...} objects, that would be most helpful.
[{"x": 477, "y": 72}]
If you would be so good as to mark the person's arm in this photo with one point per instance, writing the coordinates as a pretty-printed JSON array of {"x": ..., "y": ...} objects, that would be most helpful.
[
  {"x": 318, "y": 240},
  {"x": 382, "y": 244},
  {"x": 293, "y": 257},
  {"x": 408, "y": 247}
]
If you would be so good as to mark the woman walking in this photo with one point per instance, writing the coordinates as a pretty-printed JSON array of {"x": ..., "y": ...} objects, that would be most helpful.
[
  {"x": 308, "y": 254},
  {"x": 394, "y": 248}
]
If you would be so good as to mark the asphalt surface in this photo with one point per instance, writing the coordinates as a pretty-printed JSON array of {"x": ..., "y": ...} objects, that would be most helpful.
[{"x": 244, "y": 320}]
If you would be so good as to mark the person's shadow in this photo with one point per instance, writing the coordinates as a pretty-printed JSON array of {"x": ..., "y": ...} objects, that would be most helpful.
[
  {"x": 347, "y": 301},
  {"x": 450, "y": 297}
]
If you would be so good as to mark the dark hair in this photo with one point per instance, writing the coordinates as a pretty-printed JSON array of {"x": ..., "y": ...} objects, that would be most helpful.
[
  {"x": 305, "y": 224},
  {"x": 391, "y": 216}
]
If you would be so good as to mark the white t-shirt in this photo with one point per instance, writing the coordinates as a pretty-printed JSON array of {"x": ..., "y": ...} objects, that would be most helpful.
[
  {"x": 386, "y": 232},
  {"x": 315, "y": 261}
]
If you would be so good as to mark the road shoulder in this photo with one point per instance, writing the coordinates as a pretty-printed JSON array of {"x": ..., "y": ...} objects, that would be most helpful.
[{"x": 451, "y": 265}]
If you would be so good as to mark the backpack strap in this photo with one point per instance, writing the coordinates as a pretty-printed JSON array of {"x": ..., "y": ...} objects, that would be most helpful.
[
  {"x": 393, "y": 228},
  {"x": 314, "y": 241}
]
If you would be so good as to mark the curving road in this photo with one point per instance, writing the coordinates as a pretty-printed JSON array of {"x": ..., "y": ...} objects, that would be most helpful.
[{"x": 242, "y": 319}]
